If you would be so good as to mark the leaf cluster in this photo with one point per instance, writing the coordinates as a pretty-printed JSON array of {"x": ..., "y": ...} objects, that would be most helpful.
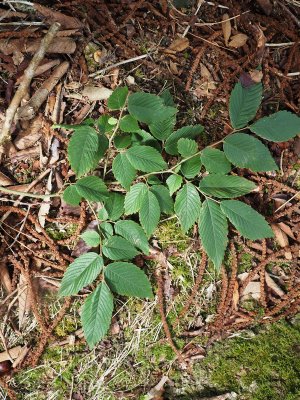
[{"x": 141, "y": 139}]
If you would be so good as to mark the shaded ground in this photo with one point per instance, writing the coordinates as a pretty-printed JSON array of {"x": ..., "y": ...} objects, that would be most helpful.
[{"x": 200, "y": 73}]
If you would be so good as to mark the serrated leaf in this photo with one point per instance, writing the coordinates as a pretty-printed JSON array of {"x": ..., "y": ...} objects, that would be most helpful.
[
  {"x": 145, "y": 107},
  {"x": 114, "y": 205},
  {"x": 187, "y": 147},
  {"x": 102, "y": 147},
  {"x": 186, "y": 132},
  {"x": 162, "y": 129},
  {"x": 118, "y": 248},
  {"x": 225, "y": 186},
  {"x": 134, "y": 233},
  {"x": 82, "y": 150},
  {"x": 103, "y": 214},
  {"x": 134, "y": 198},
  {"x": 164, "y": 199},
  {"x": 80, "y": 273},
  {"x": 96, "y": 314},
  {"x": 92, "y": 188},
  {"x": 146, "y": 159},
  {"x": 128, "y": 280},
  {"x": 122, "y": 141},
  {"x": 247, "y": 221},
  {"x": 103, "y": 124},
  {"x": 143, "y": 137},
  {"x": 244, "y": 103},
  {"x": 167, "y": 98},
  {"x": 246, "y": 151},
  {"x": 106, "y": 229},
  {"x": 117, "y": 99},
  {"x": 91, "y": 238},
  {"x": 191, "y": 167},
  {"x": 174, "y": 182},
  {"x": 213, "y": 231},
  {"x": 71, "y": 195},
  {"x": 123, "y": 171},
  {"x": 129, "y": 124},
  {"x": 215, "y": 161},
  {"x": 278, "y": 127},
  {"x": 149, "y": 213},
  {"x": 187, "y": 206}
]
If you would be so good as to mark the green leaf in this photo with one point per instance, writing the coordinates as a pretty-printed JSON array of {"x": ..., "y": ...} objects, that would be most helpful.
[
  {"x": 117, "y": 99},
  {"x": 134, "y": 198},
  {"x": 153, "y": 180},
  {"x": 134, "y": 233},
  {"x": 224, "y": 186},
  {"x": 186, "y": 132},
  {"x": 128, "y": 280},
  {"x": 122, "y": 141},
  {"x": 96, "y": 314},
  {"x": 103, "y": 124},
  {"x": 129, "y": 124},
  {"x": 162, "y": 129},
  {"x": 215, "y": 161},
  {"x": 145, "y": 107},
  {"x": 71, "y": 196},
  {"x": 164, "y": 199},
  {"x": 187, "y": 147},
  {"x": 146, "y": 159},
  {"x": 123, "y": 171},
  {"x": 106, "y": 229},
  {"x": 213, "y": 231},
  {"x": 82, "y": 150},
  {"x": 80, "y": 273},
  {"x": 244, "y": 103},
  {"x": 91, "y": 238},
  {"x": 247, "y": 221},
  {"x": 102, "y": 147},
  {"x": 143, "y": 137},
  {"x": 92, "y": 188},
  {"x": 149, "y": 213},
  {"x": 167, "y": 98},
  {"x": 278, "y": 127},
  {"x": 246, "y": 151},
  {"x": 187, "y": 206},
  {"x": 103, "y": 214},
  {"x": 191, "y": 167},
  {"x": 114, "y": 205},
  {"x": 118, "y": 248},
  {"x": 174, "y": 182}
]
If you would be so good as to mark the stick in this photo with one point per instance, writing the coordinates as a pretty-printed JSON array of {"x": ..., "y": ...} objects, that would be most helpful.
[
  {"x": 29, "y": 110},
  {"x": 22, "y": 89}
]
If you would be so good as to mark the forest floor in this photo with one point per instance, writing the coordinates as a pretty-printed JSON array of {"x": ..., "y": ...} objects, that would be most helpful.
[{"x": 238, "y": 330}]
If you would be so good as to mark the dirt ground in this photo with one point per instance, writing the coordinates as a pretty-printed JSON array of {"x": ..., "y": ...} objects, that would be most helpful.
[{"x": 197, "y": 50}]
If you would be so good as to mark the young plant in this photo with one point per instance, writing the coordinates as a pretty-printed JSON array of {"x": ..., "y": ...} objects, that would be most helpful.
[{"x": 141, "y": 143}]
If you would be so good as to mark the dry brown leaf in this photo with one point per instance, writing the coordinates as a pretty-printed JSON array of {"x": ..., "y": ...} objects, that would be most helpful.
[
  {"x": 5, "y": 180},
  {"x": 256, "y": 75},
  {"x": 280, "y": 236},
  {"x": 52, "y": 16},
  {"x": 23, "y": 299},
  {"x": 173, "y": 68},
  {"x": 4, "y": 275},
  {"x": 266, "y": 5},
  {"x": 235, "y": 295},
  {"x": 252, "y": 291},
  {"x": 179, "y": 45},
  {"x": 226, "y": 28},
  {"x": 238, "y": 40},
  {"x": 94, "y": 93},
  {"x": 31, "y": 135},
  {"x": 273, "y": 285},
  {"x": 286, "y": 229},
  {"x": 13, "y": 353}
]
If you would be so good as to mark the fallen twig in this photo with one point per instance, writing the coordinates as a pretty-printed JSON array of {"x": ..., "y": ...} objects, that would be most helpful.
[{"x": 22, "y": 89}]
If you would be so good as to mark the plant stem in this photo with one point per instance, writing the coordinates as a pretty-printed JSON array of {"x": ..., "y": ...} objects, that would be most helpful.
[{"x": 25, "y": 194}]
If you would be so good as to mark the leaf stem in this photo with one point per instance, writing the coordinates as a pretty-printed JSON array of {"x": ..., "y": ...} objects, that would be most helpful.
[{"x": 27, "y": 194}]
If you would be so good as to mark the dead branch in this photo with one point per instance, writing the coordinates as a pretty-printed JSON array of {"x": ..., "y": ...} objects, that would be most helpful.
[
  {"x": 60, "y": 45},
  {"x": 22, "y": 89},
  {"x": 65, "y": 21},
  {"x": 29, "y": 110}
]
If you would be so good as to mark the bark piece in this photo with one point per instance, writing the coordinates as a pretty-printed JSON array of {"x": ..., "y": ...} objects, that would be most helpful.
[
  {"x": 61, "y": 45},
  {"x": 52, "y": 16}
]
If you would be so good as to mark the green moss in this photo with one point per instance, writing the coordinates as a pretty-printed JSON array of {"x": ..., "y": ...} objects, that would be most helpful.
[
  {"x": 262, "y": 368},
  {"x": 60, "y": 233},
  {"x": 245, "y": 263}
]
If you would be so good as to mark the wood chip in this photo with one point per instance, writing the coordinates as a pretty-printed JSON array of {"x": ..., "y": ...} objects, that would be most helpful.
[
  {"x": 238, "y": 40},
  {"x": 226, "y": 28},
  {"x": 286, "y": 229},
  {"x": 23, "y": 299},
  {"x": 95, "y": 93}
]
